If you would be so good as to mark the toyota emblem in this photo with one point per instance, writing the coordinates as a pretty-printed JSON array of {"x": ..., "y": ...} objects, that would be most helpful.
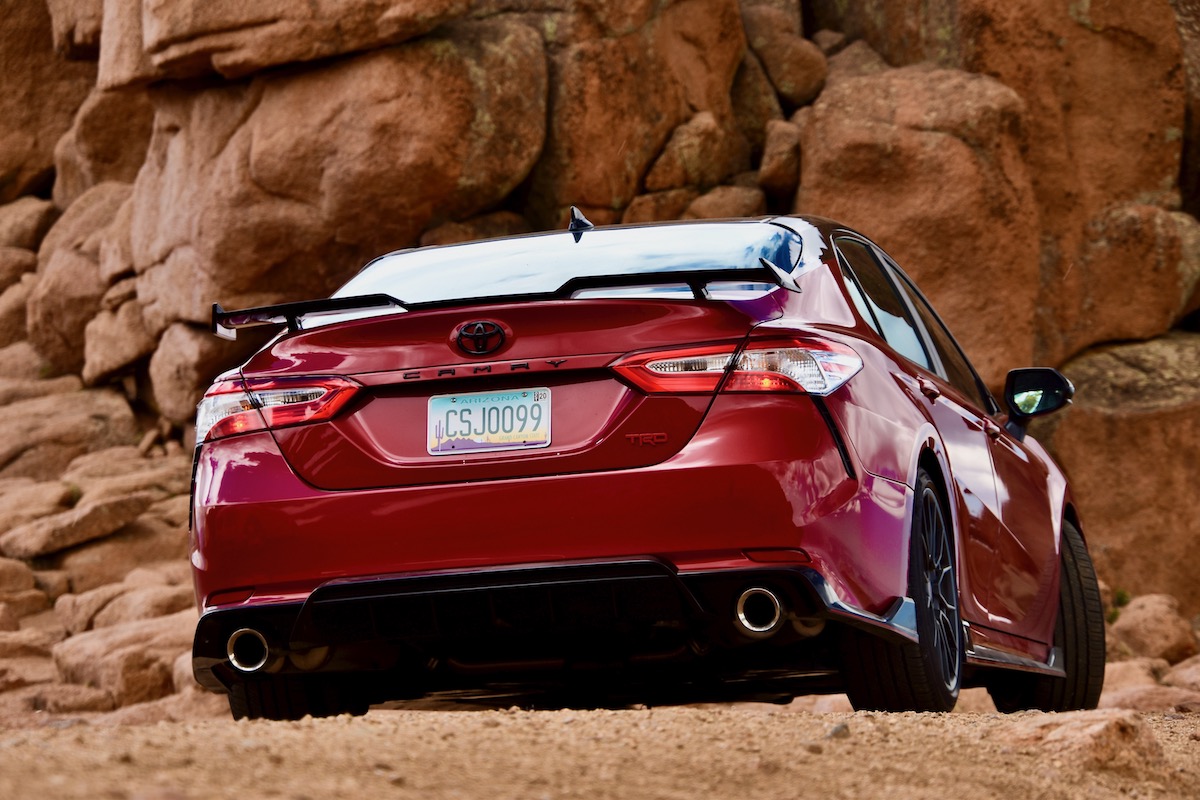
[{"x": 480, "y": 338}]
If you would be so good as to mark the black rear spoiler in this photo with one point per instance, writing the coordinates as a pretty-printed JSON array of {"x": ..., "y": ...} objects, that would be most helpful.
[{"x": 226, "y": 323}]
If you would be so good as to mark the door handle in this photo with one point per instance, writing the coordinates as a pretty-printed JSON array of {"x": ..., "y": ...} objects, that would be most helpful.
[
  {"x": 991, "y": 429},
  {"x": 928, "y": 389}
]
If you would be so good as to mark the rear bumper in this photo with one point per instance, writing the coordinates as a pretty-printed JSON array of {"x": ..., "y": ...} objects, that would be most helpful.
[
  {"x": 446, "y": 630},
  {"x": 760, "y": 474}
]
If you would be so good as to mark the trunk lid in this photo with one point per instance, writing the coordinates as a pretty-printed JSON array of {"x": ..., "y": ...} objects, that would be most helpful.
[{"x": 547, "y": 363}]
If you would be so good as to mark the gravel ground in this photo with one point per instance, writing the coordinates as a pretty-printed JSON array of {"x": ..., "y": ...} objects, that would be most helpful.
[{"x": 733, "y": 751}]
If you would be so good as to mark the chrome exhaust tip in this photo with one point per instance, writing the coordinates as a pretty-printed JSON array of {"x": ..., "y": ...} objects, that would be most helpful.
[
  {"x": 247, "y": 650},
  {"x": 759, "y": 612}
]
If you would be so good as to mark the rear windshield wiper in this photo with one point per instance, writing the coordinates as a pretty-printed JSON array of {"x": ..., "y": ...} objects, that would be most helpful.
[{"x": 226, "y": 323}]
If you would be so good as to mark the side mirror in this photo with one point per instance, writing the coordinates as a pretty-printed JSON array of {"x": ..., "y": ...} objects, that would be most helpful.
[{"x": 1031, "y": 392}]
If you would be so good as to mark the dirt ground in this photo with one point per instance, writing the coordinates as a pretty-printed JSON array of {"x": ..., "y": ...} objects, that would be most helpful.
[{"x": 735, "y": 751}]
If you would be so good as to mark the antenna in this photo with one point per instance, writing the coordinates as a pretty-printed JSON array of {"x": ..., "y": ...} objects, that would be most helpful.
[{"x": 579, "y": 223}]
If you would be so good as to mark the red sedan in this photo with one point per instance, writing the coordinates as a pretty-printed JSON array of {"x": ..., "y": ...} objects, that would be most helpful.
[{"x": 662, "y": 463}]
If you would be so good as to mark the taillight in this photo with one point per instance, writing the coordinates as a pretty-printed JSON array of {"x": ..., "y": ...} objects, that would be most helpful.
[
  {"x": 255, "y": 404},
  {"x": 696, "y": 369},
  {"x": 801, "y": 364}
]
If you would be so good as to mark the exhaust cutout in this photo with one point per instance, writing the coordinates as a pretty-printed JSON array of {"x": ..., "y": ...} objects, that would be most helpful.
[
  {"x": 759, "y": 612},
  {"x": 247, "y": 650}
]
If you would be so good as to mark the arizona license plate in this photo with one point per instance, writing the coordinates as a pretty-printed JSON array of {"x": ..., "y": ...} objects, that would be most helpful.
[{"x": 516, "y": 419}]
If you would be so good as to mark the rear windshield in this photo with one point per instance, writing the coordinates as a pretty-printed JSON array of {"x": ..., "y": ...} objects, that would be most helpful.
[{"x": 543, "y": 264}]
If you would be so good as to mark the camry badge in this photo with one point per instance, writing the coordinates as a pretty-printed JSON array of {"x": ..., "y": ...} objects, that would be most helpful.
[{"x": 480, "y": 338}]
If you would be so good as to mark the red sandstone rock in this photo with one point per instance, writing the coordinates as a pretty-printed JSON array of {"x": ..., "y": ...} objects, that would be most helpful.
[
  {"x": 658, "y": 206},
  {"x": 106, "y": 142},
  {"x": 87, "y": 521},
  {"x": 284, "y": 185},
  {"x": 188, "y": 38},
  {"x": 727, "y": 201},
  {"x": 40, "y": 436},
  {"x": 131, "y": 661},
  {"x": 76, "y": 26},
  {"x": 41, "y": 93},
  {"x": 12, "y": 309},
  {"x": 15, "y": 262},
  {"x": 616, "y": 101},
  {"x": 25, "y": 221},
  {"x": 1137, "y": 406},
  {"x": 779, "y": 173},
  {"x": 796, "y": 66},
  {"x": 109, "y": 560},
  {"x": 486, "y": 226},
  {"x": 1185, "y": 674},
  {"x": 1113, "y": 740},
  {"x": 700, "y": 153},
  {"x": 754, "y": 102},
  {"x": 1151, "y": 626},
  {"x": 929, "y": 163},
  {"x": 1152, "y": 698}
]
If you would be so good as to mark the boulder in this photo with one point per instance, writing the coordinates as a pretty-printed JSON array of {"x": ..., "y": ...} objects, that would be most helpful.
[
  {"x": 485, "y": 226},
  {"x": 9, "y": 621},
  {"x": 15, "y": 576},
  {"x": 615, "y": 101},
  {"x": 21, "y": 362},
  {"x": 658, "y": 206},
  {"x": 66, "y": 698},
  {"x": 1153, "y": 699},
  {"x": 69, "y": 287},
  {"x": 41, "y": 93},
  {"x": 197, "y": 37},
  {"x": 23, "y": 500},
  {"x": 114, "y": 341},
  {"x": 1152, "y": 627},
  {"x": 25, "y": 221},
  {"x": 87, "y": 521},
  {"x": 145, "y": 602},
  {"x": 14, "y": 389},
  {"x": 12, "y": 309},
  {"x": 76, "y": 28},
  {"x": 107, "y": 142},
  {"x": 1108, "y": 741},
  {"x": 131, "y": 661},
  {"x": 727, "y": 201},
  {"x": 779, "y": 173},
  {"x": 25, "y": 603},
  {"x": 30, "y": 643},
  {"x": 796, "y": 67},
  {"x": 109, "y": 560},
  {"x": 856, "y": 60},
  {"x": 121, "y": 471},
  {"x": 928, "y": 162},
  {"x": 39, "y": 437},
  {"x": 1184, "y": 675},
  {"x": 17, "y": 673},
  {"x": 54, "y": 583},
  {"x": 182, "y": 368},
  {"x": 75, "y": 612},
  {"x": 700, "y": 153},
  {"x": 1098, "y": 302},
  {"x": 282, "y": 186},
  {"x": 1122, "y": 675},
  {"x": 754, "y": 103},
  {"x": 15, "y": 262},
  {"x": 1137, "y": 411}
]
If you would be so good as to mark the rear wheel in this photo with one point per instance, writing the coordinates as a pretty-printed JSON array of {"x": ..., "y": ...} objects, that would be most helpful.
[
  {"x": 1078, "y": 635},
  {"x": 925, "y": 675},
  {"x": 292, "y": 698}
]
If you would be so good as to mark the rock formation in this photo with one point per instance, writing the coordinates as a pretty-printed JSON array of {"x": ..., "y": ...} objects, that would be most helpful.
[{"x": 1021, "y": 158}]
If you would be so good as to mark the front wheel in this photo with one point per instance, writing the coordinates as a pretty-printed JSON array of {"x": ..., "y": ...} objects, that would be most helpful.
[
  {"x": 1078, "y": 635},
  {"x": 925, "y": 675}
]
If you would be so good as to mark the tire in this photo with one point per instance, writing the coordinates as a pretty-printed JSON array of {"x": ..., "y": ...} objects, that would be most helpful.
[
  {"x": 1078, "y": 633},
  {"x": 925, "y": 675},
  {"x": 291, "y": 699}
]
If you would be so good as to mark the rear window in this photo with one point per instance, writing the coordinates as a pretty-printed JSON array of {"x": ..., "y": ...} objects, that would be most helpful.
[{"x": 544, "y": 264}]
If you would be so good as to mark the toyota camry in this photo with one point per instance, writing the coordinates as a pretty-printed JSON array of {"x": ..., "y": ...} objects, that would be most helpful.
[{"x": 659, "y": 463}]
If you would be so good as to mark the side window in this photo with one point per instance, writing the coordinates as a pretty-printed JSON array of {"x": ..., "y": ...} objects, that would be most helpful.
[
  {"x": 890, "y": 315},
  {"x": 958, "y": 370}
]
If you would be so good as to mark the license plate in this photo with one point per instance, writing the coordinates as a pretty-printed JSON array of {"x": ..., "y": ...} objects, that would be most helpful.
[{"x": 517, "y": 419}]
